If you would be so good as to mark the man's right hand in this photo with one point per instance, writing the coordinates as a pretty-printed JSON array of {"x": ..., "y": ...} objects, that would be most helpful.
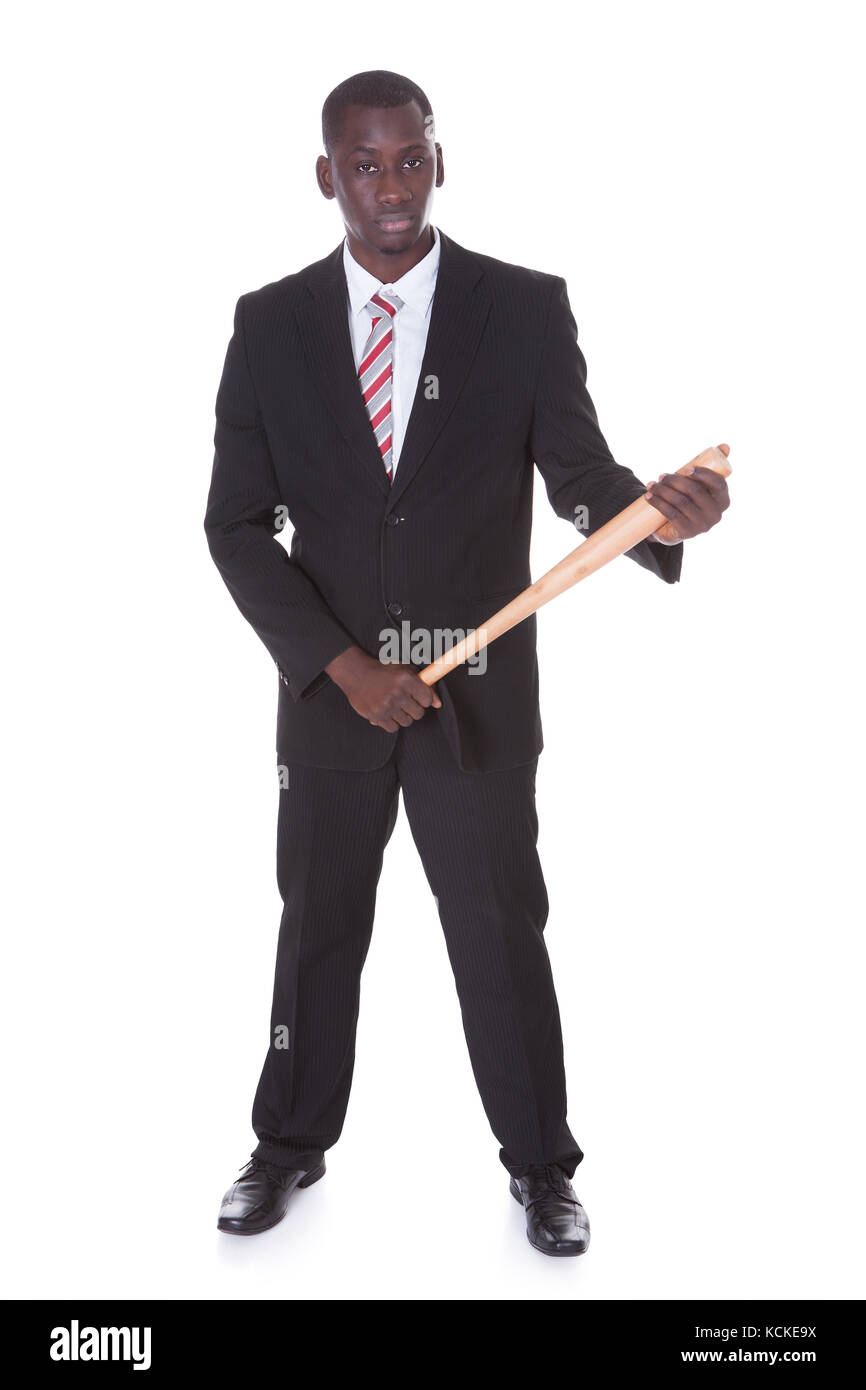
[{"x": 388, "y": 695}]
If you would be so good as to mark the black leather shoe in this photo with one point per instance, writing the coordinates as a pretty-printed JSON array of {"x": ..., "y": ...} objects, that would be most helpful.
[
  {"x": 258, "y": 1199},
  {"x": 556, "y": 1223}
]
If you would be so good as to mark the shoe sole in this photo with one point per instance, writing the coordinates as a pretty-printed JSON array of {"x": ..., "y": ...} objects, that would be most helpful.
[
  {"x": 313, "y": 1176},
  {"x": 544, "y": 1249}
]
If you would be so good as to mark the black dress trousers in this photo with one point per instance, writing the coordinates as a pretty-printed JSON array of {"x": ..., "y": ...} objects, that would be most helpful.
[{"x": 476, "y": 833}]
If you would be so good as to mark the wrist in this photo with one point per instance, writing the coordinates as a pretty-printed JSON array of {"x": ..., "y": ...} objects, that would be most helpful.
[{"x": 345, "y": 668}]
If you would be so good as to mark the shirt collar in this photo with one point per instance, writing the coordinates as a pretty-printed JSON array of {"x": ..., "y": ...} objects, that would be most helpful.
[{"x": 415, "y": 288}]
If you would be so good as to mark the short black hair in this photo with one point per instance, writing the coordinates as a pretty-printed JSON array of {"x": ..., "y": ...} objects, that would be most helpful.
[{"x": 377, "y": 88}]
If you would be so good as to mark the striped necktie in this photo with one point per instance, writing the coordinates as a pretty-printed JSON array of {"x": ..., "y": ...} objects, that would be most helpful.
[{"x": 376, "y": 373}]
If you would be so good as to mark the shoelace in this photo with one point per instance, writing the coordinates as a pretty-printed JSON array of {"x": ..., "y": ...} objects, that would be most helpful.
[
  {"x": 255, "y": 1165},
  {"x": 556, "y": 1183}
]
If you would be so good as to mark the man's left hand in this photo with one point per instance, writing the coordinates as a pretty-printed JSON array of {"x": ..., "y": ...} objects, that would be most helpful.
[{"x": 692, "y": 502}]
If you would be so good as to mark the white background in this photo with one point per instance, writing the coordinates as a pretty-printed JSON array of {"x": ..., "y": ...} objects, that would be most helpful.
[{"x": 694, "y": 171}]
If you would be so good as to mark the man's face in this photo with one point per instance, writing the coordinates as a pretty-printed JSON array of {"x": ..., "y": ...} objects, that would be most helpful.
[{"x": 382, "y": 172}]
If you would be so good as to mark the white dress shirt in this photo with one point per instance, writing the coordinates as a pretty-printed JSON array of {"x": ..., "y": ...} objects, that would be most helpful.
[{"x": 411, "y": 323}]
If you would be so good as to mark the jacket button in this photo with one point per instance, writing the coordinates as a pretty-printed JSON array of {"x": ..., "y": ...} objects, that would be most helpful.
[
  {"x": 395, "y": 609},
  {"x": 393, "y": 520}
]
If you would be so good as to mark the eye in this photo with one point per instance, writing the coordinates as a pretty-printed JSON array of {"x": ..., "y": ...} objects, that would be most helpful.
[
  {"x": 414, "y": 159},
  {"x": 367, "y": 164}
]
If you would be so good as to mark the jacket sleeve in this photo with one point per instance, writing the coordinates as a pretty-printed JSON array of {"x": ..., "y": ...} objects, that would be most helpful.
[
  {"x": 242, "y": 519},
  {"x": 570, "y": 450}
]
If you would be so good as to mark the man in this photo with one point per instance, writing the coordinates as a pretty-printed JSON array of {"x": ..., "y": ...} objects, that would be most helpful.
[{"x": 391, "y": 400}]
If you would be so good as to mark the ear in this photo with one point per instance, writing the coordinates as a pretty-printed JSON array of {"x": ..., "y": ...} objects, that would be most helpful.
[
  {"x": 323, "y": 177},
  {"x": 440, "y": 166}
]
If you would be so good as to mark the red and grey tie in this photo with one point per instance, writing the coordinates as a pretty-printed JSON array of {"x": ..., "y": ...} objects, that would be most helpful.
[{"x": 376, "y": 372}]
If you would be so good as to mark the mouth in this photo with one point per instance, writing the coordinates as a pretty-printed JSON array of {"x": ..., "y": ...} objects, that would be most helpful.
[{"x": 392, "y": 225}]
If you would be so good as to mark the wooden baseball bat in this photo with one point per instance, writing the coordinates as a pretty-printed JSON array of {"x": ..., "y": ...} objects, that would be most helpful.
[{"x": 635, "y": 523}]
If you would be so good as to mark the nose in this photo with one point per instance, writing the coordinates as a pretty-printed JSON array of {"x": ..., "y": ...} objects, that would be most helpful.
[{"x": 392, "y": 192}]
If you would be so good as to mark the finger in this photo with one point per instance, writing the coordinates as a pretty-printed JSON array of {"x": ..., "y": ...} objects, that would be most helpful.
[
  {"x": 690, "y": 486},
  {"x": 414, "y": 711},
  {"x": 707, "y": 477},
  {"x": 424, "y": 694},
  {"x": 691, "y": 497},
  {"x": 409, "y": 705},
  {"x": 674, "y": 505},
  {"x": 421, "y": 692},
  {"x": 717, "y": 492},
  {"x": 713, "y": 482}
]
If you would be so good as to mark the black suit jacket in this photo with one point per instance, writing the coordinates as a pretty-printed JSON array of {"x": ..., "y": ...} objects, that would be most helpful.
[{"x": 448, "y": 543}]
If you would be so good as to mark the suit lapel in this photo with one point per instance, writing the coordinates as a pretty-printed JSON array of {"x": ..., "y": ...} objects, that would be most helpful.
[
  {"x": 461, "y": 303},
  {"x": 323, "y": 317}
]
